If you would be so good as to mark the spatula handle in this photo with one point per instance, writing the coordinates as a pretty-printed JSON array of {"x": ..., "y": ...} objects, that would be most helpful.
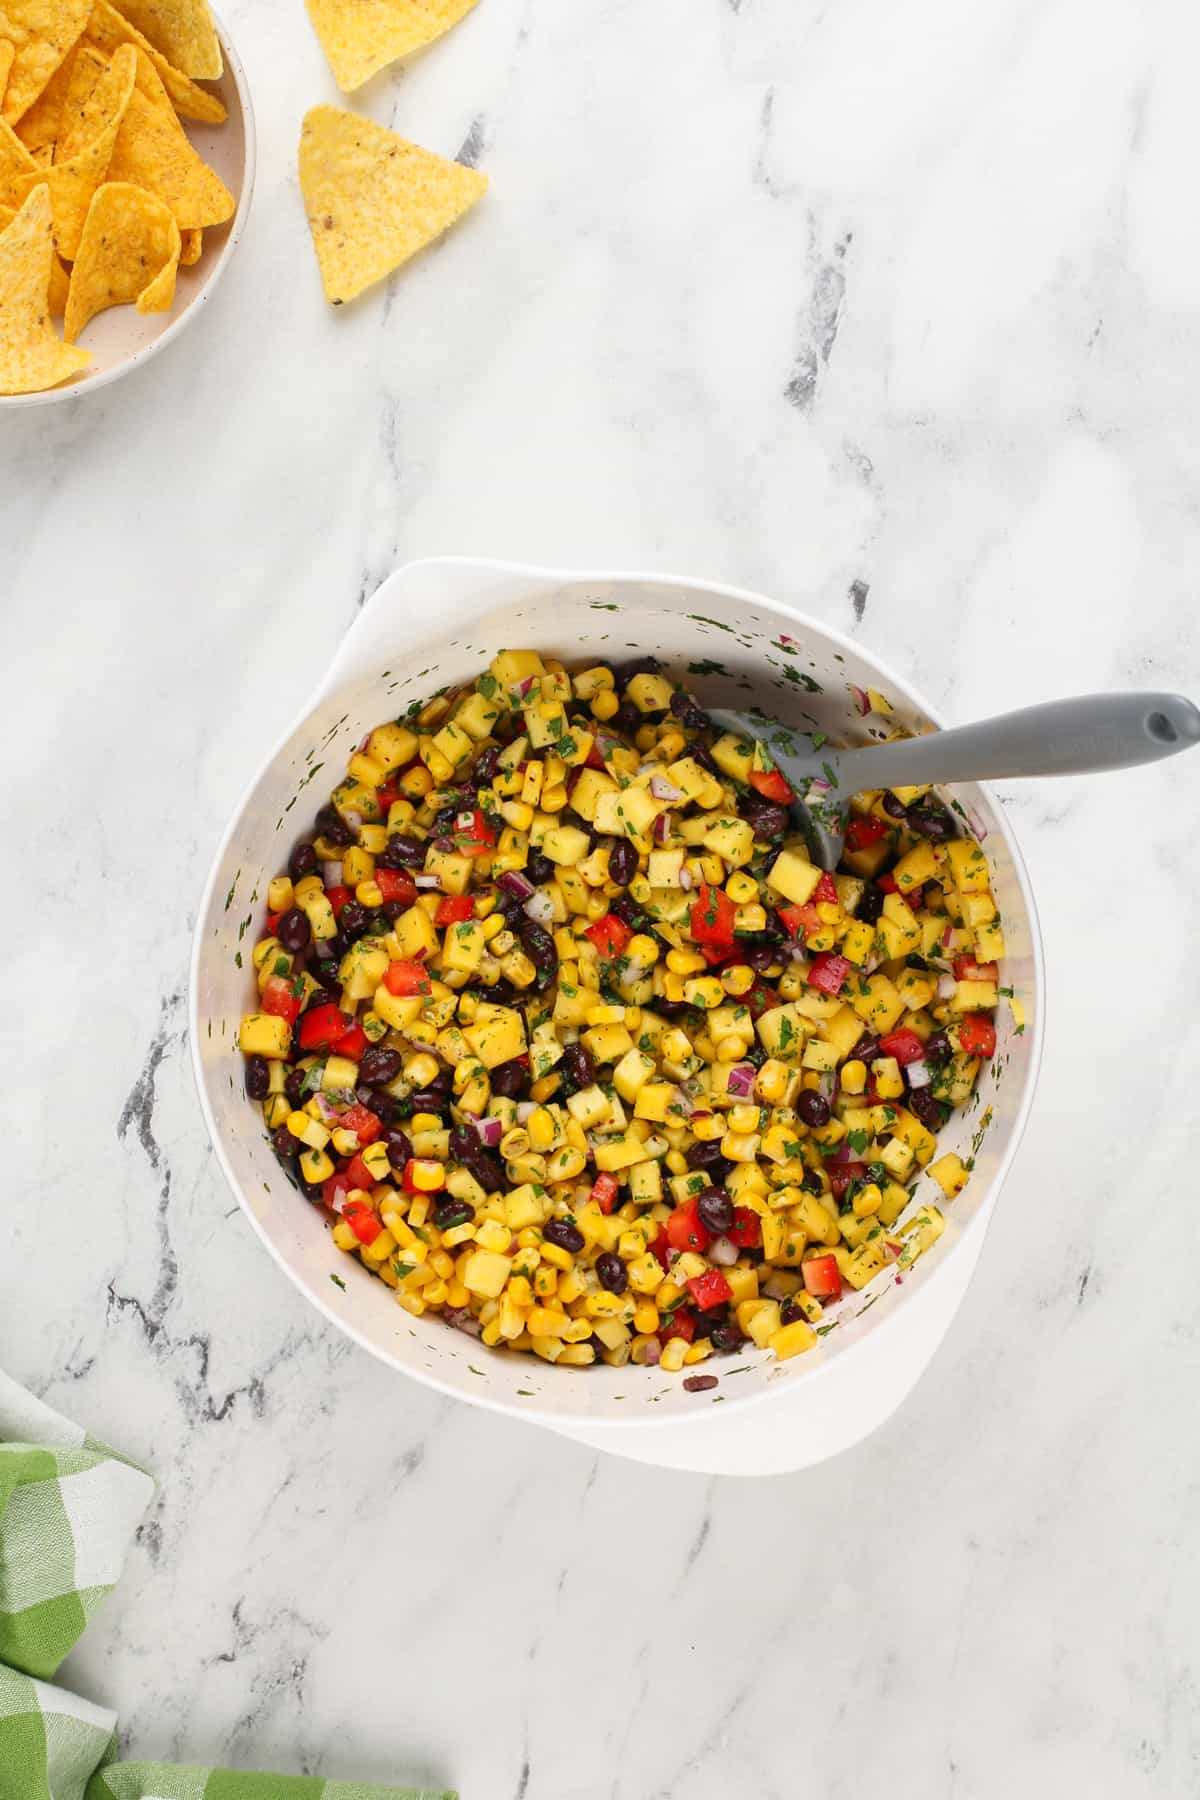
[{"x": 1083, "y": 736}]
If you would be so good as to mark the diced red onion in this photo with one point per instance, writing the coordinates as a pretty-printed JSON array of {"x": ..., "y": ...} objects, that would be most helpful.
[
  {"x": 723, "y": 1252},
  {"x": 871, "y": 964},
  {"x": 862, "y": 700},
  {"x": 686, "y": 1103},
  {"x": 827, "y": 1084},
  {"x": 331, "y": 874},
  {"x": 653, "y": 1352},
  {"x": 363, "y": 742},
  {"x": 539, "y": 907},
  {"x": 525, "y": 1111},
  {"x": 427, "y": 880},
  {"x": 490, "y": 1131},
  {"x": 946, "y": 987},
  {"x": 947, "y": 937},
  {"x": 662, "y": 828},
  {"x": 511, "y": 881},
  {"x": 685, "y": 880},
  {"x": 463, "y": 1319},
  {"x": 918, "y": 1073},
  {"x": 326, "y": 1110},
  {"x": 420, "y": 1044},
  {"x": 843, "y": 1154},
  {"x": 521, "y": 688},
  {"x": 662, "y": 789},
  {"x": 741, "y": 1079}
]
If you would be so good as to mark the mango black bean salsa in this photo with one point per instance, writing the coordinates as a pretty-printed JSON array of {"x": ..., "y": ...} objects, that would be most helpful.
[{"x": 579, "y": 1050}]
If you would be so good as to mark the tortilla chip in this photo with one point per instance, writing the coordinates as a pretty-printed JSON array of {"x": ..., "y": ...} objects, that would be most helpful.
[
  {"x": 43, "y": 32},
  {"x": 108, "y": 30},
  {"x": 154, "y": 152},
  {"x": 373, "y": 199},
  {"x": 182, "y": 30},
  {"x": 60, "y": 283},
  {"x": 7, "y": 52},
  {"x": 360, "y": 37},
  {"x": 84, "y": 152},
  {"x": 38, "y": 128},
  {"x": 32, "y": 355},
  {"x": 129, "y": 251},
  {"x": 191, "y": 244},
  {"x": 14, "y": 160}
]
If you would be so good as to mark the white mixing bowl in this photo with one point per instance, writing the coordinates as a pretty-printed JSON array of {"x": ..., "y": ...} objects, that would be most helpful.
[{"x": 440, "y": 622}]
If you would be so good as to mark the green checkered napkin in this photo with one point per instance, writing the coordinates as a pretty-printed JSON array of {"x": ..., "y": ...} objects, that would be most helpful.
[{"x": 68, "y": 1509}]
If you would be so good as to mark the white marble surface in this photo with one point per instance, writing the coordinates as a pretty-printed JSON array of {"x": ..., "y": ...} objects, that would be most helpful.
[{"x": 874, "y": 301}]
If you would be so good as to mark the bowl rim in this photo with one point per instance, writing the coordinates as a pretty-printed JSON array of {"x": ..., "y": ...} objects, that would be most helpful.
[
  {"x": 86, "y": 384},
  {"x": 560, "y": 1420}
]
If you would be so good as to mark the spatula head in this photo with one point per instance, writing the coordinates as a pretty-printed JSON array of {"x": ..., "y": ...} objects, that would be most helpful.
[{"x": 811, "y": 768}]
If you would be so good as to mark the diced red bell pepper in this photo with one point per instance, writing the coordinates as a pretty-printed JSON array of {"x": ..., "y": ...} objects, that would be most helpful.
[
  {"x": 397, "y": 885},
  {"x": 889, "y": 885},
  {"x": 406, "y": 979},
  {"x": 684, "y": 1230},
  {"x": 472, "y": 833},
  {"x": 338, "y": 897},
  {"x": 366, "y": 1127},
  {"x": 610, "y": 935},
  {"x": 746, "y": 1230},
  {"x": 661, "y": 1248},
  {"x": 842, "y": 1174},
  {"x": 905, "y": 1046},
  {"x": 713, "y": 914},
  {"x": 760, "y": 999},
  {"x": 977, "y": 1035},
  {"x": 967, "y": 969},
  {"x": 862, "y": 832},
  {"x": 273, "y": 923},
  {"x": 362, "y": 1222},
  {"x": 771, "y": 785},
  {"x": 797, "y": 921},
  {"x": 410, "y": 1168},
  {"x": 335, "y": 1189},
  {"x": 280, "y": 997},
  {"x": 605, "y": 1189},
  {"x": 822, "y": 1277},
  {"x": 455, "y": 909},
  {"x": 387, "y": 795},
  {"x": 709, "y": 1289},
  {"x": 356, "y": 1172},
  {"x": 322, "y": 1026},
  {"x": 825, "y": 893},
  {"x": 682, "y": 1324},
  {"x": 828, "y": 973},
  {"x": 353, "y": 1044}
]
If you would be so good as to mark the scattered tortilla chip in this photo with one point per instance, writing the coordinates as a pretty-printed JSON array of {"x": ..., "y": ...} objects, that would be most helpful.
[
  {"x": 38, "y": 128},
  {"x": 182, "y": 30},
  {"x": 154, "y": 152},
  {"x": 32, "y": 355},
  {"x": 7, "y": 52},
  {"x": 90, "y": 133},
  {"x": 373, "y": 199},
  {"x": 43, "y": 31},
  {"x": 360, "y": 37},
  {"x": 191, "y": 244},
  {"x": 108, "y": 30},
  {"x": 129, "y": 251}
]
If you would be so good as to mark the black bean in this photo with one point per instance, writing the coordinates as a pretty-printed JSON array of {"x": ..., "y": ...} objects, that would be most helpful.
[
  {"x": 464, "y": 1142},
  {"x": 293, "y": 1085},
  {"x": 501, "y": 993},
  {"x": 577, "y": 1067},
  {"x": 702, "y": 753},
  {"x": 564, "y": 1234},
  {"x": 764, "y": 818},
  {"x": 714, "y": 1209},
  {"x": 627, "y": 719},
  {"x": 258, "y": 1078},
  {"x": 895, "y": 809},
  {"x": 331, "y": 825},
  {"x": 486, "y": 764},
  {"x": 871, "y": 904},
  {"x": 285, "y": 1146},
  {"x": 641, "y": 665},
  {"x": 391, "y": 910},
  {"x": 293, "y": 930},
  {"x": 353, "y": 920},
  {"x": 622, "y": 862},
  {"x": 789, "y": 1311},
  {"x": 936, "y": 826},
  {"x": 449, "y": 1212},
  {"x": 312, "y": 1190},
  {"x": 431, "y": 1099},
  {"x": 811, "y": 1183},
  {"x": 510, "y": 1079},
  {"x": 937, "y": 1047},
  {"x": 488, "y": 1173},
  {"x": 932, "y": 1113},
  {"x": 726, "y": 1339},
  {"x": 610, "y": 1272},
  {"x": 379, "y": 1064},
  {"x": 700, "y": 1384},
  {"x": 867, "y": 1048},
  {"x": 756, "y": 1056},
  {"x": 630, "y": 913},
  {"x": 539, "y": 947},
  {"x": 399, "y": 1148},
  {"x": 403, "y": 851},
  {"x": 704, "y": 1155},
  {"x": 813, "y": 1108},
  {"x": 538, "y": 869},
  {"x": 302, "y": 861},
  {"x": 710, "y": 1319},
  {"x": 759, "y": 956}
]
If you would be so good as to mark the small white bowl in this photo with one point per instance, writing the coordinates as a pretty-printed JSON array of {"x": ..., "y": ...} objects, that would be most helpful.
[{"x": 121, "y": 338}]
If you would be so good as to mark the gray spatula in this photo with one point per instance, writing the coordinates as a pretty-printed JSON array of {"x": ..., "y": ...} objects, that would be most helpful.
[{"x": 1084, "y": 736}]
